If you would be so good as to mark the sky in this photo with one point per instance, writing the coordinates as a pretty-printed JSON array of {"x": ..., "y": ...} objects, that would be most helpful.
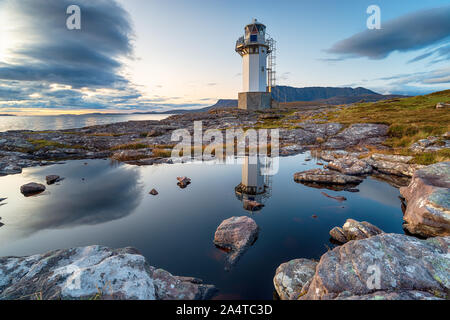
[{"x": 157, "y": 55}]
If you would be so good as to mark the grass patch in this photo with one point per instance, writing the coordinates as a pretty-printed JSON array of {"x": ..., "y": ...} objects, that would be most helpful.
[
  {"x": 162, "y": 153},
  {"x": 40, "y": 144},
  {"x": 130, "y": 146},
  {"x": 428, "y": 158}
]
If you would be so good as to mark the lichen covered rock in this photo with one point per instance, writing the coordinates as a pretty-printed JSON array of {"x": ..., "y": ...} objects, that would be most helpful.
[
  {"x": 291, "y": 277},
  {"x": 95, "y": 271},
  {"x": 387, "y": 266},
  {"x": 428, "y": 201}
]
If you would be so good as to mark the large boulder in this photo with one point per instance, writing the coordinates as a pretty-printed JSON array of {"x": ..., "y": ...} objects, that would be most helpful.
[
  {"x": 321, "y": 176},
  {"x": 350, "y": 165},
  {"x": 93, "y": 272},
  {"x": 235, "y": 235},
  {"x": 387, "y": 266},
  {"x": 354, "y": 230},
  {"x": 31, "y": 189},
  {"x": 428, "y": 201},
  {"x": 291, "y": 277}
]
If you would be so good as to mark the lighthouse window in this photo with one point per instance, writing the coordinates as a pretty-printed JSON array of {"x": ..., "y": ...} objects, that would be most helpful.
[{"x": 253, "y": 38}]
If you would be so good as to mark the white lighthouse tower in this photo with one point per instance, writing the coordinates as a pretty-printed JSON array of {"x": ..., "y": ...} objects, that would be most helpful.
[{"x": 254, "y": 49}]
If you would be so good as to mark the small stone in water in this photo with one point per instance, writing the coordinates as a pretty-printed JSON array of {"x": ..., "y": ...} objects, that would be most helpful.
[
  {"x": 154, "y": 192},
  {"x": 52, "y": 179},
  {"x": 31, "y": 189},
  {"x": 183, "y": 182}
]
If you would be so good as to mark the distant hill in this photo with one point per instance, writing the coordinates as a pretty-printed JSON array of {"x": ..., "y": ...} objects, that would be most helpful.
[
  {"x": 290, "y": 94},
  {"x": 301, "y": 96},
  {"x": 7, "y": 115}
]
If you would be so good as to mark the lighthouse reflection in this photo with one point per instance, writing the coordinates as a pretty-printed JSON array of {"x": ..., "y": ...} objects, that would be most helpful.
[{"x": 256, "y": 184}]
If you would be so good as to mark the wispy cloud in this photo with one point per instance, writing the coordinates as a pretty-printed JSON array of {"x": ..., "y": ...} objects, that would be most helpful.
[{"x": 407, "y": 33}]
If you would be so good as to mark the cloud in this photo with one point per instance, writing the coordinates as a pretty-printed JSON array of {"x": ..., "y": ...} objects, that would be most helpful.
[
  {"x": 438, "y": 76},
  {"x": 49, "y": 52},
  {"x": 284, "y": 76},
  {"x": 407, "y": 33},
  {"x": 52, "y": 67},
  {"x": 441, "y": 54}
]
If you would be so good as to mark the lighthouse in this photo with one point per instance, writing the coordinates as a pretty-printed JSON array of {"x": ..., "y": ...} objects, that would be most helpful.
[{"x": 254, "y": 49}]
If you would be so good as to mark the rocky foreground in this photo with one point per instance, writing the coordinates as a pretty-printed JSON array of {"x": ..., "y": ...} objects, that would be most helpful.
[
  {"x": 382, "y": 267},
  {"x": 94, "y": 273}
]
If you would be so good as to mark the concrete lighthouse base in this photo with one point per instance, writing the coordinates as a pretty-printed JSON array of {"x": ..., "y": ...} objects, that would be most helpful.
[{"x": 255, "y": 100}]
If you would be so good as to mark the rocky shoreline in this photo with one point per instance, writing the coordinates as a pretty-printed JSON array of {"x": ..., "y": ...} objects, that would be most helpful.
[{"x": 409, "y": 268}]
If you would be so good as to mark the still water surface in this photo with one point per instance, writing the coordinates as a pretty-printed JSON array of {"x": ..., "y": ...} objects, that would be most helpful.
[
  {"x": 40, "y": 123},
  {"x": 175, "y": 229}
]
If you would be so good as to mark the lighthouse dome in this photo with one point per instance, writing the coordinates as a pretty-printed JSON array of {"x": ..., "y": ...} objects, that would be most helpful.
[{"x": 255, "y": 32}]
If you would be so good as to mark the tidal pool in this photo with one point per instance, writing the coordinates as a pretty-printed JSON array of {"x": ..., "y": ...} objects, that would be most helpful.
[{"x": 105, "y": 203}]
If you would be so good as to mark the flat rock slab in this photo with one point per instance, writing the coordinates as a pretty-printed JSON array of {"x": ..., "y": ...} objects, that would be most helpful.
[
  {"x": 389, "y": 165},
  {"x": 358, "y": 134},
  {"x": 235, "y": 235},
  {"x": 291, "y": 277},
  {"x": 80, "y": 273},
  {"x": 382, "y": 265},
  {"x": 350, "y": 166},
  {"x": 428, "y": 201},
  {"x": 31, "y": 189},
  {"x": 326, "y": 177}
]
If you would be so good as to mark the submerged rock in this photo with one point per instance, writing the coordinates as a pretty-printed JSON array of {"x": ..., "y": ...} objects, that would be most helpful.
[
  {"x": 338, "y": 198},
  {"x": 235, "y": 235},
  {"x": 95, "y": 271},
  {"x": 354, "y": 230},
  {"x": 31, "y": 189},
  {"x": 428, "y": 201},
  {"x": 325, "y": 177},
  {"x": 386, "y": 266},
  {"x": 291, "y": 277},
  {"x": 52, "y": 179},
  {"x": 154, "y": 192}
]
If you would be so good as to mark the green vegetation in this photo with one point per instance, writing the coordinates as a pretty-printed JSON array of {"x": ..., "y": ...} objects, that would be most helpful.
[
  {"x": 130, "y": 146},
  {"x": 409, "y": 120}
]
